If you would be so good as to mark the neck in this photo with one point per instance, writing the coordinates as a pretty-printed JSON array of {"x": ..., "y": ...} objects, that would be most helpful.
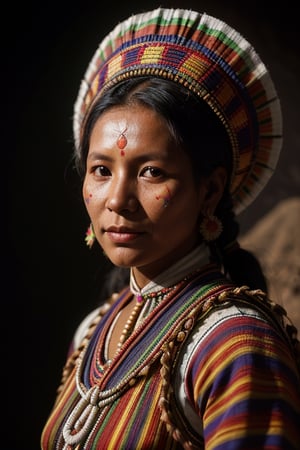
[{"x": 194, "y": 260}]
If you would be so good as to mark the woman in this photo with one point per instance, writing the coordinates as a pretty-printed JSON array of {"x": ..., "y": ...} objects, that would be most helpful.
[{"x": 177, "y": 127}]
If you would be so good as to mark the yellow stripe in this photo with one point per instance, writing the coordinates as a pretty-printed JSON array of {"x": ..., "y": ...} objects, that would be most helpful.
[
  {"x": 114, "y": 66},
  {"x": 152, "y": 54},
  {"x": 127, "y": 412},
  {"x": 224, "y": 355},
  {"x": 145, "y": 428},
  {"x": 59, "y": 410},
  {"x": 235, "y": 431}
]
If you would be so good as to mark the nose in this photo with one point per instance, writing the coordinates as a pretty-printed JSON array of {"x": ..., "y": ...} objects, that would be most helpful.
[{"x": 122, "y": 195}]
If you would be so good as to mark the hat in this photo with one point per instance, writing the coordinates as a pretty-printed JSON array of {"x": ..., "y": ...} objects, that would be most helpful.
[{"x": 214, "y": 61}]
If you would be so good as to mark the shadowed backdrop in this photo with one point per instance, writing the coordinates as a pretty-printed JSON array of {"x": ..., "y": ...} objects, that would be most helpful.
[{"x": 52, "y": 278}]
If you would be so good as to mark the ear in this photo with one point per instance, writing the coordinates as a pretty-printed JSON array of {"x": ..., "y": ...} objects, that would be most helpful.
[{"x": 213, "y": 187}]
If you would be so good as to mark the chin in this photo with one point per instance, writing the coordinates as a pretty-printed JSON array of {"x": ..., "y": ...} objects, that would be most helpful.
[{"x": 124, "y": 257}]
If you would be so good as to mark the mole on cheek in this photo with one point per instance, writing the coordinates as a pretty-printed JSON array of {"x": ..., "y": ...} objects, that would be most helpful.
[
  {"x": 166, "y": 197},
  {"x": 87, "y": 199}
]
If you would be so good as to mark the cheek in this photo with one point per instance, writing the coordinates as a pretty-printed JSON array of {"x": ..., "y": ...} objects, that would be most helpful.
[
  {"x": 157, "y": 201},
  {"x": 173, "y": 202},
  {"x": 163, "y": 197},
  {"x": 87, "y": 194},
  {"x": 92, "y": 196},
  {"x": 87, "y": 197}
]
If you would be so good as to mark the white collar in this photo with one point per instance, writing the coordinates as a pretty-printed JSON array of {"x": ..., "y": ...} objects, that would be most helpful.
[{"x": 195, "y": 259}]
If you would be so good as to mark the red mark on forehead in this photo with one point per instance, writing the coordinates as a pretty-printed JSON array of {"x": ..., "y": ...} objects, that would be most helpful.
[{"x": 122, "y": 142}]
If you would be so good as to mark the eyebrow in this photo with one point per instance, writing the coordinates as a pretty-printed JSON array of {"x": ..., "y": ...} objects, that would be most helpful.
[{"x": 95, "y": 155}]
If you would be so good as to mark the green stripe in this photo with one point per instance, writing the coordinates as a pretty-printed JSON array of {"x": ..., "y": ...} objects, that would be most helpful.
[{"x": 201, "y": 292}]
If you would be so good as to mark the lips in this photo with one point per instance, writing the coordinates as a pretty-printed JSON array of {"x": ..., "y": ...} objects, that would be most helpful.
[{"x": 122, "y": 234}]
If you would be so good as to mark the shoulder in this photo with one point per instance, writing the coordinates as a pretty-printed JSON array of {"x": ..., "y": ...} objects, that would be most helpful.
[
  {"x": 84, "y": 326},
  {"x": 239, "y": 327},
  {"x": 227, "y": 323},
  {"x": 233, "y": 339},
  {"x": 227, "y": 315},
  {"x": 91, "y": 320},
  {"x": 241, "y": 305}
]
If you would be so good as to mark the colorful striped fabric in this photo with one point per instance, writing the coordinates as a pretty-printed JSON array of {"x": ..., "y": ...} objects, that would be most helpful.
[
  {"x": 240, "y": 364},
  {"x": 239, "y": 385},
  {"x": 214, "y": 61}
]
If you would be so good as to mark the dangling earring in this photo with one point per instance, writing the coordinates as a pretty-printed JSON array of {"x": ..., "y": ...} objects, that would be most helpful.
[
  {"x": 90, "y": 236},
  {"x": 210, "y": 228}
]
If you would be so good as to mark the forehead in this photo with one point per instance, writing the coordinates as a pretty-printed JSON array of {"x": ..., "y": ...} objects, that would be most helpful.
[
  {"x": 136, "y": 123},
  {"x": 148, "y": 138}
]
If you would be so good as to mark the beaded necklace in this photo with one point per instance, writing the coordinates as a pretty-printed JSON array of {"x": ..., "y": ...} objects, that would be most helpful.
[
  {"x": 96, "y": 399},
  {"x": 134, "y": 360},
  {"x": 141, "y": 298}
]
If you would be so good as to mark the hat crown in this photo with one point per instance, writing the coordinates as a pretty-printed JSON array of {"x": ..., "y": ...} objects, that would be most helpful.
[{"x": 213, "y": 60}]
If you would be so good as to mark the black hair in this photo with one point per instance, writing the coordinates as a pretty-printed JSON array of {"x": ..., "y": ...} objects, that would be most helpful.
[
  {"x": 191, "y": 121},
  {"x": 196, "y": 127}
]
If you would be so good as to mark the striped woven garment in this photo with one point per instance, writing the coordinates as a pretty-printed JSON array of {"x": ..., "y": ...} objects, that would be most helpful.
[{"x": 239, "y": 364}]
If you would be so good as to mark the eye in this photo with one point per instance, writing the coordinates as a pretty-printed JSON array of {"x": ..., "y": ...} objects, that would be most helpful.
[
  {"x": 151, "y": 172},
  {"x": 101, "y": 171}
]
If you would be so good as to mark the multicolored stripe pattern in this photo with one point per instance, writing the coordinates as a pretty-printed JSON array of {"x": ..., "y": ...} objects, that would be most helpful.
[
  {"x": 131, "y": 422},
  {"x": 214, "y": 61},
  {"x": 240, "y": 367},
  {"x": 242, "y": 364},
  {"x": 142, "y": 427}
]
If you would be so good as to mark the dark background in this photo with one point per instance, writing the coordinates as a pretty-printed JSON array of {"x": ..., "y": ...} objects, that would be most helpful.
[{"x": 50, "y": 278}]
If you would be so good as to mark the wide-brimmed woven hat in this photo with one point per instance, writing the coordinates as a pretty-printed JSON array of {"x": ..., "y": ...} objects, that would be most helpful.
[{"x": 215, "y": 62}]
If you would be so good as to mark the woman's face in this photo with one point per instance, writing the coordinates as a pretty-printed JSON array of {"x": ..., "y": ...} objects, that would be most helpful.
[{"x": 139, "y": 191}]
